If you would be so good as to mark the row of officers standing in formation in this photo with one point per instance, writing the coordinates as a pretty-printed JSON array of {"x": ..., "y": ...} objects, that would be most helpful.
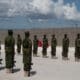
[{"x": 26, "y": 44}]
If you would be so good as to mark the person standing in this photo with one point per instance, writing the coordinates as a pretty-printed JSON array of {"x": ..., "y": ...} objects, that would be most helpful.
[
  {"x": 65, "y": 46},
  {"x": 35, "y": 45},
  {"x": 45, "y": 45},
  {"x": 19, "y": 42},
  {"x": 0, "y": 54},
  {"x": 27, "y": 54},
  {"x": 77, "y": 48},
  {"x": 53, "y": 47},
  {"x": 9, "y": 51}
]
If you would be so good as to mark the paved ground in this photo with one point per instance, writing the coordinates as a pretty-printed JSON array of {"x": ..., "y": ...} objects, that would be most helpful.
[{"x": 44, "y": 68}]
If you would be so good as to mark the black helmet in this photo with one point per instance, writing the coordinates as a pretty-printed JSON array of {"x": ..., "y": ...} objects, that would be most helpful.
[
  {"x": 27, "y": 34},
  {"x": 10, "y": 32},
  {"x": 44, "y": 35},
  {"x": 18, "y": 35},
  {"x": 53, "y": 35},
  {"x": 65, "y": 35},
  {"x": 35, "y": 36},
  {"x": 78, "y": 35}
]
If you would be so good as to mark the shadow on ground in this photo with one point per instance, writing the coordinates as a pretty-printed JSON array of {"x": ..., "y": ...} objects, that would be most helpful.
[
  {"x": 1, "y": 68},
  {"x": 32, "y": 73},
  {"x": 16, "y": 70}
]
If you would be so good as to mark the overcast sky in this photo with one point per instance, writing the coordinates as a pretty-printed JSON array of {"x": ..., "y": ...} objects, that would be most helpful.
[
  {"x": 41, "y": 9},
  {"x": 67, "y": 9}
]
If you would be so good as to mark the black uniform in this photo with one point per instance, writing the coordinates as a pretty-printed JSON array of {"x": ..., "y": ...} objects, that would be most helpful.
[
  {"x": 53, "y": 46},
  {"x": 35, "y": 45},
  {"x": 9, "y": 50},
  {"x": 0, "y": 54},
  {"x": 45, "y": 45},
  {"x": 77, "y": 47},
  {"x": 19, "y": 42},
  {"x": 65, "y": 45},
  {"x": 27, "y": 53}
]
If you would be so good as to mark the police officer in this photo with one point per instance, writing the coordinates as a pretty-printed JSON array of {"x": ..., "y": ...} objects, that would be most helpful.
[
  {"x": 9, "y": 51},
  {"x": 27, "y": 54},
  {"x": 35, "y": 45},
  {"x": 77, "y": 48},
  {"x": 65, "y": 46},
  {"x": 45, "y": 45},
  {"x": 19, "y": 42},
  {"x": 53, "y": 47}
]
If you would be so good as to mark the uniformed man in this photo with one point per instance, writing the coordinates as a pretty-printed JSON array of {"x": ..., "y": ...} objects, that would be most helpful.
[
  {"x": 35, "y": 45},
  {"x": 0, "y": 54},
  {"x": 65, "y": 46},
  {"x": 45, "y": 46},
  {"x": 27, "y": 54},
  {"x": 9, "y": 51},
  {"x": 77, "y": 48},
  {"x": 19, "y": 42},
  {"x": 53, "y": 47}
]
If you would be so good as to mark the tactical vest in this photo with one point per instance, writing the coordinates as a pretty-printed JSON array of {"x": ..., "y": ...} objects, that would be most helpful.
[
  {"x": 53, "y": 42},
  {"x": 9, "y": 42},
  {"x": 19, "y": 41},
  {"x": 66, "y": 42},
  {"x": 26, "y": 43},
  {"x": 78, "y": 43},
  {"x": 35, "y": 41},
  {"x": 45, "y": 42}
]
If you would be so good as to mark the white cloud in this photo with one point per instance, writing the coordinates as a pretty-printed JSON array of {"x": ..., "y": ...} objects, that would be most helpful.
[
  {"x": 58, "y": 8},
  {"x": 71, "y": 12},
  {"x": 44, "y": 7}
]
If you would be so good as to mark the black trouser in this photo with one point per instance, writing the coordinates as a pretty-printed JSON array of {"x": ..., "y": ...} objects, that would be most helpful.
[
  {"x": 77, "y": 52},
  {"x": 35, "y": 51},
  {"x": 27, "y": 67},
  {"x": 19, "y": 48},
  {"x": 44, "y": 51},
  {"x": 9, "y": 61},
  {"x": 65, "y": 52},
  {"x": 53, "y": 51}
]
